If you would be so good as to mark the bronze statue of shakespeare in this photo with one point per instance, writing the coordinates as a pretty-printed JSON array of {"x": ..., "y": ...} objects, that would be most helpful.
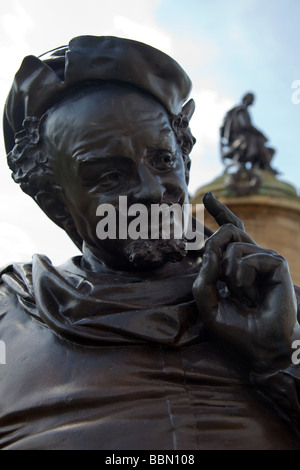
[
  {"x": 138, "y": 343},
  {"x": 241, "y": 142}
]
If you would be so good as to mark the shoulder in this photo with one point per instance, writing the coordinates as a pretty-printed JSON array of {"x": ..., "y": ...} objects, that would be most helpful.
[{"x": 15, "y": 287}]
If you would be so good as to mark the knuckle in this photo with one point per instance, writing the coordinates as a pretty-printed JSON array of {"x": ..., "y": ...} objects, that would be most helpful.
[
  {"x": 227, "y": 229},
  {"x": 282, "y": 261}
]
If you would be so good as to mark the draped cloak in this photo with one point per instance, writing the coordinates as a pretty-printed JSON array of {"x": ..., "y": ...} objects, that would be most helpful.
[{"x": 118, "y": 362}]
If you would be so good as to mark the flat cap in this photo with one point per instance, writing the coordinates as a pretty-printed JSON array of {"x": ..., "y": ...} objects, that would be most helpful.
[{"x": 41, "y": 81}]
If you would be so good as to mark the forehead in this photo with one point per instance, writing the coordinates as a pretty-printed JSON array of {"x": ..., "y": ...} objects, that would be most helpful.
[{"x": 92, "y": 116}]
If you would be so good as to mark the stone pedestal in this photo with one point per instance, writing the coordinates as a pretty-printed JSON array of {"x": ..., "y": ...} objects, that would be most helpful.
[{"x": 271, "y": 216}]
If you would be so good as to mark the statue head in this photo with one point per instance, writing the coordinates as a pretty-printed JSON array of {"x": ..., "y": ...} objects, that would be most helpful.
[
  {"x": 99, "y": 118},
  {"x": 248, "y": 99}
]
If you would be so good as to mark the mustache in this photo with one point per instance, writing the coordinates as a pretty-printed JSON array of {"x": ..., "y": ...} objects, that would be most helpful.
[{"x": 144, "y": 253}]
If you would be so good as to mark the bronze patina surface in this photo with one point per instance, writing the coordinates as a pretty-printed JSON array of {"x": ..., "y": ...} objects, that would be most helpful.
[{"x": 135, "y": 344}]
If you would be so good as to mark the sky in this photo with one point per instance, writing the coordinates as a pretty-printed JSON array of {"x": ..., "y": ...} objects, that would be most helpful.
[{"x": 227, "y": 47}]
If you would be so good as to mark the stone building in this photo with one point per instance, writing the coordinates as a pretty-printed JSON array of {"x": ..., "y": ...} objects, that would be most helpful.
[{"x": 271, "y": 214}]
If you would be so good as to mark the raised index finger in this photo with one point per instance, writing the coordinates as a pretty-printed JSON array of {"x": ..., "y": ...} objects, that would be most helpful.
[{"x": 220, "y": 212}]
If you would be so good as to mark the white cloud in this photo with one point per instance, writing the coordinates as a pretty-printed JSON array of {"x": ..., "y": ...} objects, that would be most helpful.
[
  {"x": 149, "y": 34},
  {"x": 15, "y": 244},
  {"x": 211, "y": 108},
  {"x": 16, "y": 23},
  {"x": 14, "y": 26}
]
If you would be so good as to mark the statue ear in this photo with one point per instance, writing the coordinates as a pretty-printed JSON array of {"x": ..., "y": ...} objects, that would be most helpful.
[
  {"x": 52, "y": 205},
  {"x": 189, "y": 108}
]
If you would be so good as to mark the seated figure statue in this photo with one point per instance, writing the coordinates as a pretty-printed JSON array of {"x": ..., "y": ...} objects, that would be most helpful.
[
  {"x": 243, "y": 144},
  {"x": 137, "y": 343}
]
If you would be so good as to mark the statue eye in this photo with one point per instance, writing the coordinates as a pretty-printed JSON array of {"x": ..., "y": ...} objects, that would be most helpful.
[
  {"x": 111, "y": 177},
  {"x": 164, "y": 161},
  {"x": 107, "y": 180},
  {"x": 167, "y": 159}
]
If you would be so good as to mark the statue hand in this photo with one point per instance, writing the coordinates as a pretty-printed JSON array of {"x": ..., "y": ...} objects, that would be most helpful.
[{"x": 256, "y": 310}]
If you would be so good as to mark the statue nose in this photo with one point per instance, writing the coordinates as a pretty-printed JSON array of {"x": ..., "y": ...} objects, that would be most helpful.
[{"x": 150, "y": 189}]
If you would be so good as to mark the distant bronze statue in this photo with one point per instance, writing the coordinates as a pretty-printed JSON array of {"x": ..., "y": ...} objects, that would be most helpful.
[
  {"x": 137, "y": 343},
  {"x": 243, "y": 147},
  {"x": 241, "y": 142}
]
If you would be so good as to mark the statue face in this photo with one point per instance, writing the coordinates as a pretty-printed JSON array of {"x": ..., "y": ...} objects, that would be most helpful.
[
  {"x": 109, "y": 142},
  {"x": 248, "y": 99}
]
